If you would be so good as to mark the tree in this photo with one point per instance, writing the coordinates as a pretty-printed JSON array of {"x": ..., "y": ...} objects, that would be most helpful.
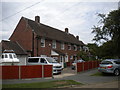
[{"x": 109, "y": 30}]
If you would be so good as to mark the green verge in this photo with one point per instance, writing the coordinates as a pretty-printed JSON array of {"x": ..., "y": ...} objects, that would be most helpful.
[
  {"x": 97, "y": 74},
  {"x": 49, "y": 84}
]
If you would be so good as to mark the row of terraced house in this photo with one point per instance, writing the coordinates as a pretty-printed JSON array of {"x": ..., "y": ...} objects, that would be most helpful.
[{"x": 32, "y": 38}]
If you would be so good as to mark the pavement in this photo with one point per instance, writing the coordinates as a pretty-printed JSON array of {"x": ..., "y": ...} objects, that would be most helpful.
[{"x": 68, "y": 74}]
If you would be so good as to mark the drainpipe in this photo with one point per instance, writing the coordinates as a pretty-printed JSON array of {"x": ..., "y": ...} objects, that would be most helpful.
[
  {"x": 37, "y": 46},
  {"x": 32, "y": 43}
]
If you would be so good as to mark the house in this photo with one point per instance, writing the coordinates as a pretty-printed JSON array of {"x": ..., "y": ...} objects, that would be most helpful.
[
  {"x": 18, "y": 50},
  {"x": 38, "y": 39}
]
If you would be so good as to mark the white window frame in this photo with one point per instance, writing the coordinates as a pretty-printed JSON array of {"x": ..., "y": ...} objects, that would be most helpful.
[
  {"x": 43, "y": 42},
  {"x": 69, "y": 45},
  {"x": 75, "y": 47},
  {"x": 62, "y": 46},
  {"x": 54, "y": 44}
]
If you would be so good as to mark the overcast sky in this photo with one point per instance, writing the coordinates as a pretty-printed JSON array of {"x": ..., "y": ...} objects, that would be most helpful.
[{"x": 78, "y": 16}]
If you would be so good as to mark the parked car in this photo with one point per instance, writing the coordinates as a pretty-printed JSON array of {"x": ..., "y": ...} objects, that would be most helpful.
[
  {"x": 8, "y": 57},
  {"x": 110, "y": 66},
  {"x": 75, "y": 62},
  {"x": 57, "y": 67}
]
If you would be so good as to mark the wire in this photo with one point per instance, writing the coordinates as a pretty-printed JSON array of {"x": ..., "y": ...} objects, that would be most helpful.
[
  {"x": 64, "y": 11},
  {"x": 20, "y": 11}
]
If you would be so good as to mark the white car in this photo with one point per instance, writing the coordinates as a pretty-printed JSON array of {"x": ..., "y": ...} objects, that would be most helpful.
[
  {"x": 75, "y": 62},
  {"x": 9, "y": 58},
  {"x": 57, "y": 67}
]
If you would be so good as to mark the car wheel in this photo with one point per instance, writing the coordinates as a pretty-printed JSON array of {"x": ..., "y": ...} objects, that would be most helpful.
[{"x": 116, "y": 72}]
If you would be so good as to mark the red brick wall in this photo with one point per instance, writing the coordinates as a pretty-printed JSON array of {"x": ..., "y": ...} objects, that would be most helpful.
[
  {"x": 48, "y": 47},
  {"x": 23, "y": 35}
]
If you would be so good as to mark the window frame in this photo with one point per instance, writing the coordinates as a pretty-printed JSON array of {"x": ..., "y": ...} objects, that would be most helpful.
[
  {"x": 42, "y": 42},
  {"x": 75, "y": 47},
  {"x": 62, "y": 46},
  {"x": 69, "y": 45},
  {"x": 54, "y": 44}
]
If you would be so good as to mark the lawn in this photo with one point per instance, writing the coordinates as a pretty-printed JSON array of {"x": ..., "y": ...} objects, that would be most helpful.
[{"x": 50, "y": 84}]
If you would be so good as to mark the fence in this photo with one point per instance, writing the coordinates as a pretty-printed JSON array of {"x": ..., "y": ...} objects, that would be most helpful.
[
  {"x": 29, "y": 71},
  {"x": 83, "y": 66}
]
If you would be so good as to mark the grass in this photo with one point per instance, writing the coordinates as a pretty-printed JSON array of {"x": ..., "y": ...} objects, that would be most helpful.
[
  {"x": 97, "y": 74},
  {"x": 50, "y": 84},
  {"x": 101, "y": 74}
]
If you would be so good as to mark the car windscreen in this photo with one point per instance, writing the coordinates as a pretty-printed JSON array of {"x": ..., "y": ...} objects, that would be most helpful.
[
  {"x": 106, "y": 62},
  {"x": 51, "y": 60},
  {"x": 117, "y": 62},
  {"x": 33, "y": 60}
]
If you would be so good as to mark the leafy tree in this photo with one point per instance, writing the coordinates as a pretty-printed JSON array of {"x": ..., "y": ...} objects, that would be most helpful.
[{"x": 109, "y": 30}]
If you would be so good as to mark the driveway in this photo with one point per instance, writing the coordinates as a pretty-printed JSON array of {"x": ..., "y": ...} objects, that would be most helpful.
[{"x": 68, "y": 74}]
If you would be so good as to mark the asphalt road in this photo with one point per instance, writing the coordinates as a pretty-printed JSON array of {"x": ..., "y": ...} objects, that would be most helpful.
[{"x": 68, "y": 74}]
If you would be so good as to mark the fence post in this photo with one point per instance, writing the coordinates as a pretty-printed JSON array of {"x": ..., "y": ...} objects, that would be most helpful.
[
  {"x": 19, "y": 72},
  {"x": 76, "y": 67},
  {"x": 52, "y": 72},
  {"x": 42, "y": 71}
]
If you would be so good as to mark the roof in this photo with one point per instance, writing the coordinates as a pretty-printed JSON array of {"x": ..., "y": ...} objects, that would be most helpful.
[
  {"x": 59, "y": 52},
  {"x": 43, "y": 30},
  {"x": 10, "y": 45}
]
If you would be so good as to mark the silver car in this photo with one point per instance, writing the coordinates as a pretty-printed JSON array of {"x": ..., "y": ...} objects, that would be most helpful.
[{"x": 110, "y": 66}]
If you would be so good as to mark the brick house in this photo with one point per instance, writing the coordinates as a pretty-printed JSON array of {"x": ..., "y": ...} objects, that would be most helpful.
[{"x": 41, "y": 40}]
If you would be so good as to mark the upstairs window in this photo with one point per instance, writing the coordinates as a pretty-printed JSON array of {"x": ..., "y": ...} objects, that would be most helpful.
[
  {"x": 42, "y": 42},
  {"x": 53, "y": 44},
  {"x": 69, "y": 46},
  {"x": 75, "y": 47},
  {"x": 80, "y": 48},
  {"x": 62, "y": 46}
]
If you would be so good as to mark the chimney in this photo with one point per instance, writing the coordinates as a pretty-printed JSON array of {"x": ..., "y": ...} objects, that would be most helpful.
[
  {"x": 37, "y": 19},
  {"x": 66, "y": 30},
  {"x": 77, "y": 37}
]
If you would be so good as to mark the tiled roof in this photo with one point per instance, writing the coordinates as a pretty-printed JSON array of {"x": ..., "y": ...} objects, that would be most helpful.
[
  {"x": 43, "y": 30},
  {"x": 10, "y": 45}
]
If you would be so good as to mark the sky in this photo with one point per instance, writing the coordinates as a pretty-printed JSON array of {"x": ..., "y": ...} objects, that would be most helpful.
[{"x": 78, "y": 16}]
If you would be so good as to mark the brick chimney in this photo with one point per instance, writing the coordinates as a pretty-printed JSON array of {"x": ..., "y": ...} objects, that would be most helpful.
[
  {"x": 37, "y": 19},
  {"x": 77, "y": 37},
  {"x": 66, "y": 30}
]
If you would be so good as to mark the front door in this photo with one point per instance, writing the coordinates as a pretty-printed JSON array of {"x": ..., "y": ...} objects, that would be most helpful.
[{"x": 62, "y": 61}]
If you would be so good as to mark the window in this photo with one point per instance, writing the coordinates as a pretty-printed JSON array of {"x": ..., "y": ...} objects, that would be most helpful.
[
  {"x": 117, "y": 62},
  {"x": 80, "y": 48},
  {"x": 11, "y": 56},
  {"x": 15, "y": 56},
  {"x": 43, "y": 60},
  {"x": 6, "y": 56},
  {"x": 69, "y": 47},
  {"x": 33, "y": 60},
  {"x": 2, "y": 56},
  {"x": 62, "y": 46},
  {"x": 42, "y": 42},
  {"x": 106, "y": 62},
  {"x": 53, "y": 44},
  {"x": 75, "y": 47}
]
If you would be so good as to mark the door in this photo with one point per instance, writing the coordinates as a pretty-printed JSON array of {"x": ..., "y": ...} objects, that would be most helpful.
[{"x": 62, "y": 61}]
